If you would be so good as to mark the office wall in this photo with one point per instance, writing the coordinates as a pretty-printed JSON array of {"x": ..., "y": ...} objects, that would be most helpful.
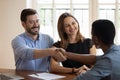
[{"x": 10, "y": 26}]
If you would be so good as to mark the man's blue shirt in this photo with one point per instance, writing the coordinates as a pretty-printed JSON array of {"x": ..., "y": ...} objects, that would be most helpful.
[
  {"x": 106, "y": 65},
  {"x": 23, "y": 47}
]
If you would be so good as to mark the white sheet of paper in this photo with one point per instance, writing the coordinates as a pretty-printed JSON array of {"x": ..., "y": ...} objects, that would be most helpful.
[{"x": 47, "y": 76}]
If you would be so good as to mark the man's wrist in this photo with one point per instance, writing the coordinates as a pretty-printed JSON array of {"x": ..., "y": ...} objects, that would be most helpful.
[{"x": 52, "y": 51}]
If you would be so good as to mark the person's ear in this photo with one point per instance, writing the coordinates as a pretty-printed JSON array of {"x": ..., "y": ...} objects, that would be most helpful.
[
  {"x": 23, "y": 23},
  {"x": 95, "y": 41}
]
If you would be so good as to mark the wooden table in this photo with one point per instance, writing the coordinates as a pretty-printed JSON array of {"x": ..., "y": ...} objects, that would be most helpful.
[{"x": 25, "y": 74}]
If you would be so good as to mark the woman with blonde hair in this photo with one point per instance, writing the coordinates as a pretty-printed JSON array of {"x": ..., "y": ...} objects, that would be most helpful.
[{"x": 72, "y": 41}]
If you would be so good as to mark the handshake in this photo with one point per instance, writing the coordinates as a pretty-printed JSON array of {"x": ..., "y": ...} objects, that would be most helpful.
[{"x": 59, "y": 55}]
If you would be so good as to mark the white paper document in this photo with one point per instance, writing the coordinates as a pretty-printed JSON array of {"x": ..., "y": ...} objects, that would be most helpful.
[{"x": 47, "y": 76}]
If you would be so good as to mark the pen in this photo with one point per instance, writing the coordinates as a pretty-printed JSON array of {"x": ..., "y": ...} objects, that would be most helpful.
[{"x": 36, "y": 74}]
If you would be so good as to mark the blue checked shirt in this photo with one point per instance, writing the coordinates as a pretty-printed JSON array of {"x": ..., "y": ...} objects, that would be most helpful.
[{"x": 23, "y": 47}]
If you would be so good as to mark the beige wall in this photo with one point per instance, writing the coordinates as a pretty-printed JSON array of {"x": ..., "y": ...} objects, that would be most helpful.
[{"x": 10, "y": 26}]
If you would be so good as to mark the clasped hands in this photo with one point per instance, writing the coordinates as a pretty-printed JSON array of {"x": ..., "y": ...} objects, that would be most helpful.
[
  {"x": 59, "y": 55},
  {"x": 81, "y": 70}
]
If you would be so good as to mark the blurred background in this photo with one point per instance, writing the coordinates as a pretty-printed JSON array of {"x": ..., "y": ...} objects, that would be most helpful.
[{"x": 86, "y": 11}]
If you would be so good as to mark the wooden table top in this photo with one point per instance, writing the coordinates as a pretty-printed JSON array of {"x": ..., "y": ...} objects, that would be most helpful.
[{"x": 25, "y": 73}]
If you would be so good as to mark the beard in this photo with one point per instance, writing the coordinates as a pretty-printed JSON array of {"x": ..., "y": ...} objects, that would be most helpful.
[{"x": 34, "y": 30}]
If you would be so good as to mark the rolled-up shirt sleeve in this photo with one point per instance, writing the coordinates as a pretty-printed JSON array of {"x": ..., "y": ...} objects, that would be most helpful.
[{"x": 21, "y": 50}]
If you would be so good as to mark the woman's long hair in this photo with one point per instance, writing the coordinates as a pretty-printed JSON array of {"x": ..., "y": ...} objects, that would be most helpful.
[{"x": 61, "y": 31}]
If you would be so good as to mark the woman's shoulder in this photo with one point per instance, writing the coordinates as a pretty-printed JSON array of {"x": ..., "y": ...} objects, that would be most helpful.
[
  {"x": 57, "y": 44},
  {"x": 87, "y": 39},
  {"x": 88, "y": 42}
]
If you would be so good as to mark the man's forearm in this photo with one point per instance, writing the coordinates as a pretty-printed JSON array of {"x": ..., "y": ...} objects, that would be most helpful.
[
  {"x": 42, "y": 53},
  {"x": 83, "y": 58}
]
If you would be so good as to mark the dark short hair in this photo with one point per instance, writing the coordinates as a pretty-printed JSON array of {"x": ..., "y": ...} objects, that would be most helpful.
[
  {"x": 27, "y": 12},
  {"x": 104, "y": 30}
]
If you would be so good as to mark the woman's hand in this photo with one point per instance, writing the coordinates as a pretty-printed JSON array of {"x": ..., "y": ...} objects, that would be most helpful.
[{"x": 82, "y": 69}]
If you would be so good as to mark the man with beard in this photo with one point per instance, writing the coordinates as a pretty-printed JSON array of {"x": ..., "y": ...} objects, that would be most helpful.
[{"x": 32, "y": 49}]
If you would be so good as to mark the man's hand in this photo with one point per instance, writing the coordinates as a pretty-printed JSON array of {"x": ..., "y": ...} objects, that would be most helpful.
[{"x": 59, "y": 55}]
